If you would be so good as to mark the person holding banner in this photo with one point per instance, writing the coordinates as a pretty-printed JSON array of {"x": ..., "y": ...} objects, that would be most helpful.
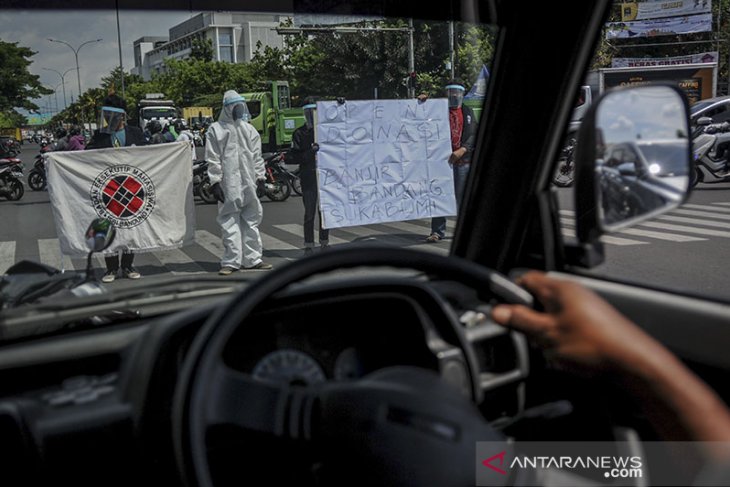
[
  {"x": 463, "y": 126},
  {"x": 304, "y": 152},
  {"x": 235, "y": 168},
  {"x": 114, "y": 132}
]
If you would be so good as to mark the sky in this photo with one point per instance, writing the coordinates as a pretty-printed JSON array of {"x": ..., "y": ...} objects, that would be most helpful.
[{"x": 32, "y": 29}]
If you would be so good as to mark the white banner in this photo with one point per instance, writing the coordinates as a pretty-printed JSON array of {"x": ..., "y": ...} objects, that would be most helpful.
[
  {"x": 656, "y": 10},
  {"x": 384, "y": 161},
  {"x": 146, "y": 192},
  {"x": 631, "y": 62},
  {"x": 659, "y": 27}
]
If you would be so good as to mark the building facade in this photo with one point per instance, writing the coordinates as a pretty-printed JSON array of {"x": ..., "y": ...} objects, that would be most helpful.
[{"x": 234, "y": 37}]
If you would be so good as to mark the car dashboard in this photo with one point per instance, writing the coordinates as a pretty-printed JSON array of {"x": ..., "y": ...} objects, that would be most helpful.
[{"x": 96, "y": 405}]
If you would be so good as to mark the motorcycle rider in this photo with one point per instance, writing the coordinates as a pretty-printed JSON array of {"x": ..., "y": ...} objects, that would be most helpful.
[
  {"x": 114, "y": 132},
  {"x": 76, "y": 141},
  {"x": 61, "y": 140},
  {"x": 304, "y": 152},
  {"x": 155, "y": 129},
  {"x": 235, "y": 168},
  {"x": 178, "y": 125},
  {"x": 463, "y": 126}
]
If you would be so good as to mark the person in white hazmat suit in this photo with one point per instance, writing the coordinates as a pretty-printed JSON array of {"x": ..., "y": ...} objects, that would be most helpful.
[{"x": 235, "y": 168}]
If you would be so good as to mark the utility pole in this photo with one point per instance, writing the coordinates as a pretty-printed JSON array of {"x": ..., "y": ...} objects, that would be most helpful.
[
  {"x": 452, "y": 56},
  {"x": 411, "y": 60},
  {"x": 119, "y": 43}
]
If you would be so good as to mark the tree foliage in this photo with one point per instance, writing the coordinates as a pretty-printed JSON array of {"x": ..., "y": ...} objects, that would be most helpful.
[
  {"x": 202, "y": 50},
  {"x": 18, "y": 87}
]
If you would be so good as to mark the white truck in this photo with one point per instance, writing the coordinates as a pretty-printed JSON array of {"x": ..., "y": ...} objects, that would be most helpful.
[{"x": 154, "y": 106}]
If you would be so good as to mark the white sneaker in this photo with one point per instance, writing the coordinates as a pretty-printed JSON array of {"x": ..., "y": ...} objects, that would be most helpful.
[{"x": 109, "y": 276}]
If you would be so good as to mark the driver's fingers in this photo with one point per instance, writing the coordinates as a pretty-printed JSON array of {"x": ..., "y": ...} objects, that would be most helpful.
[{"x": 522, "y": 318}]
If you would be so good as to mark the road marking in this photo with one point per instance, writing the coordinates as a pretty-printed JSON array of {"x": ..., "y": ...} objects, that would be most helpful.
[
  {"x": 569, "y": 232},
  {"x": 298, "y": 230},
  {"x": 49, "y": 251},
  {"x": 706, "y": 207},
  {"x": 273, "y": 244},
  {"x": 723, "y": 204},
  {"x": 7, "y": 255},
  {"x": 705, "y": 214},
  {"x": 177, "y": 257},
  {"x": 211, "y": 243},
  {"x": 684, "y": 219},
  {"x": 672, "y": 237},
  {"x": 682, "y": 228}
]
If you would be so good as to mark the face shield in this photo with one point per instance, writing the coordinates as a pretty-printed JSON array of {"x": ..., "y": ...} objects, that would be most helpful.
[
  {"x": 234, "y": 108},
  {"x": 309, "y": 115},
  {"x": 455, "y": 94},
  {"x": 110, "y": 119}
]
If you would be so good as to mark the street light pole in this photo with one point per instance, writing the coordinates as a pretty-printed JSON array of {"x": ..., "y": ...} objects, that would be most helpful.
[
  {"x": 63, "y": 81},
  {"x": 78, "y": 72}
]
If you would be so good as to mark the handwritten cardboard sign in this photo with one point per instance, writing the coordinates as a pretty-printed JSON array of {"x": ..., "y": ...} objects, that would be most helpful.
[{"x": 383, "y": 161}]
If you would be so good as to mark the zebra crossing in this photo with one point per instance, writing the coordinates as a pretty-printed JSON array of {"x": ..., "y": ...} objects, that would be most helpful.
[
  {"x": 283, "y": 242},
  {"x": 689, "y": 223}
]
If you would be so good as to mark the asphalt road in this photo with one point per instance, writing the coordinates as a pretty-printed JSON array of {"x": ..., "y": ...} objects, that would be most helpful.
[{"x": 685, "y": 250}]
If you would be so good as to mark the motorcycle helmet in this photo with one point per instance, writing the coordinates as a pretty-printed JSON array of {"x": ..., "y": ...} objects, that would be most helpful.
[
  {"x": 179, "y": 125},
  {"x": 154, "y": 127},
  {"x": 75, "y": 130},
  {"x": 61, "y": 133}
]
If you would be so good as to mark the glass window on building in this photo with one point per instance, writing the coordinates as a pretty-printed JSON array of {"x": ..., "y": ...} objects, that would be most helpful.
[{"x": 225, "y": 45}]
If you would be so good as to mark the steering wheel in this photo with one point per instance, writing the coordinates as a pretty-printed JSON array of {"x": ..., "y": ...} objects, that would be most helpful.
[{"x": 355, "y": 426}]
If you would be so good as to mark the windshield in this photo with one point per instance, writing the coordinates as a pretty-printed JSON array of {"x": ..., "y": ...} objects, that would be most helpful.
[
  {"x": 699, "y": 106},
  {"x": 149, "y": 113},
  {"x": 399, "y": 188}
]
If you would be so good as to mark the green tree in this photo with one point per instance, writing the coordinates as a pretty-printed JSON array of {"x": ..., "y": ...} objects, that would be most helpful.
[
  {"x": 201, "y": 50},
  {"x": 18, "y": 87}
]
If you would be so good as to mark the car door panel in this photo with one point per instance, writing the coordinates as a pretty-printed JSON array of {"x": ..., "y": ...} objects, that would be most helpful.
[{"x": 695, "y": 329}]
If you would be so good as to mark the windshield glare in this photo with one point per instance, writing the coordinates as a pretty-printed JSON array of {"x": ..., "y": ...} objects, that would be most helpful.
[{"x": 671, "y": 159}]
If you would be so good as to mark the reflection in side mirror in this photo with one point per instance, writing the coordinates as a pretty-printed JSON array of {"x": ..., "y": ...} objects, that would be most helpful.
[
  {"x": 649, "y": 123},
  {"x": 704, "y": 121},
  {"x": 100, "y": 235}
]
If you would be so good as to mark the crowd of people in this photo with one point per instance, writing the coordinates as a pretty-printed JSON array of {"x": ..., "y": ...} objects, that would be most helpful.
[{"x": 236, "y": 169}]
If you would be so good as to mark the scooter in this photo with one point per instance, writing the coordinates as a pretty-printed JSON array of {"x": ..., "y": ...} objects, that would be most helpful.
[
  {"x": 201, "y": 182},
  {"x": 277, "y": 186},
  {"x": 566, "y": 167},
  {"x": 711, "y": 148},
  {"x": 11, "y": 174},
  {"x": 37, "y": 175}
]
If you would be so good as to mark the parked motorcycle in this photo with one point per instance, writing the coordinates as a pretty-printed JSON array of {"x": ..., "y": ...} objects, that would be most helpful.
[
  {"x": 37, "y": 175},
  {"x": 201, "y": 182},
  {"x": 711, "y": 148},
  {"x": 566, "y": 167},
  {"x": 277, "y": 186},
  {"x": 11, "y": 175}
]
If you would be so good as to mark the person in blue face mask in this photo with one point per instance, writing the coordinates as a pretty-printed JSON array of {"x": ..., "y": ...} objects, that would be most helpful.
[
  {"x": 114, "y": 132},
  {"x": 235, "y": 168}
]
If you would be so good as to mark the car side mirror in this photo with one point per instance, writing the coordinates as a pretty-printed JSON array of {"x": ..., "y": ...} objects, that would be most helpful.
[
  {"x": 704, "y": 121},
  {"x": 99, "y": 236},
  {"x": 627, "y": 169},
  {"x": 651, "y": 121}
]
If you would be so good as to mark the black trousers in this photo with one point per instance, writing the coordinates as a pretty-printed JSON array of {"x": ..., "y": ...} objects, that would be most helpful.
[
  {"x": 310, "y": 198},
  {"x": 112, "y": 261}
]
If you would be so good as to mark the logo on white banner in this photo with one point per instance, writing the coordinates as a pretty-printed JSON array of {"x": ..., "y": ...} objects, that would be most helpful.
[{"x": 123, "y": 194}]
